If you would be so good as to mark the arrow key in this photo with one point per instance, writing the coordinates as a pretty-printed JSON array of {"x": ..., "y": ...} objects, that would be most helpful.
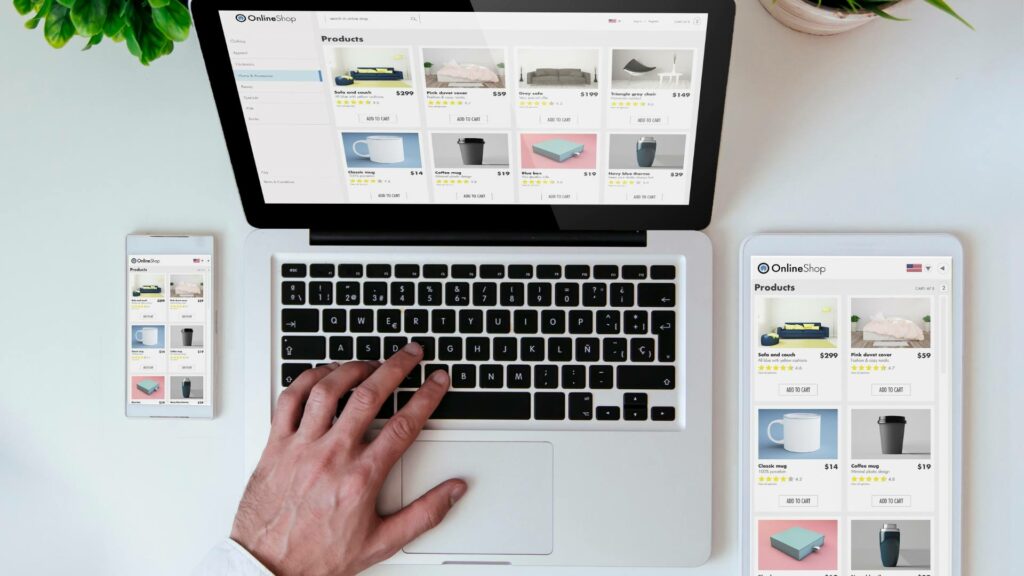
[
  {"x": 656, "y": 295},
  {"x": 303, "y": 347},
  {"x": 663, "y": 325},
  {"x": 299, "y": 320}
]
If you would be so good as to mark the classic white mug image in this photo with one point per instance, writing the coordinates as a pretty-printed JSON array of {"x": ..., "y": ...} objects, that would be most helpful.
[
  {"x": 148, "y": 336},
  {"x": 381, "y": 149},
  {"x": 801, "y": 432}
]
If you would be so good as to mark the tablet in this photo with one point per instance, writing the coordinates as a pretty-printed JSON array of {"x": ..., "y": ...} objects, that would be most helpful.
[{"x": 850, "y": 405}]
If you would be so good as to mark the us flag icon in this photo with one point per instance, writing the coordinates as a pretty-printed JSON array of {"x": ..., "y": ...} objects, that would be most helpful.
[{"x": 914, "y": 268}]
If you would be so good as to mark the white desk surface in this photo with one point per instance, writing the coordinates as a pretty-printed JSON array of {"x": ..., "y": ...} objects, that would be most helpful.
[{"x": 895, "y": 127}]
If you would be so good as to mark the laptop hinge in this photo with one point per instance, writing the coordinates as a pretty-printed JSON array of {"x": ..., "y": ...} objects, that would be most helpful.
[{"x": 629, "y": 238}]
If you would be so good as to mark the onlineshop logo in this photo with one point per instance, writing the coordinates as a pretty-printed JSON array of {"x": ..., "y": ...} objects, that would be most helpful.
[
  {"x": 240, "y": 17},
  {"x": 762, "y": 268},
  {"x": 261, "y": 18}
]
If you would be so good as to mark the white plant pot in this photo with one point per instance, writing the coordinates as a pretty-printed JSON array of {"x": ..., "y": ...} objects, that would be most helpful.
[{"x": 806, "y": 16}]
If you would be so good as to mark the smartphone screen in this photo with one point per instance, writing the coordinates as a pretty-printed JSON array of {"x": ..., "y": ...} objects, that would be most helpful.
[
  {"x": 850, "y": 426},
  {"x": 169, "y": 312}
]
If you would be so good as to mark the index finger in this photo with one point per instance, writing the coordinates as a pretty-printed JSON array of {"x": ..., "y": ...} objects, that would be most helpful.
[{"x": 403, "y": 428}]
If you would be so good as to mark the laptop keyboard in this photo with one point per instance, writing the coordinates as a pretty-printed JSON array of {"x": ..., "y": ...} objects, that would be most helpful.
[{"x": 548, "y": 345}]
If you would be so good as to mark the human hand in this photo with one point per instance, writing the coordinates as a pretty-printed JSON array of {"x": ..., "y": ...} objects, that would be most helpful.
[{"x": 310, "y": 506}]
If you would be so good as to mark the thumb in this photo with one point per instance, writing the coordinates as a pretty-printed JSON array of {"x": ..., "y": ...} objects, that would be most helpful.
[{"x": 424, "y": 513}]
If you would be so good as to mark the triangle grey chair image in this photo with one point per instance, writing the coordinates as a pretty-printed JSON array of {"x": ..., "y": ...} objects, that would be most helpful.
[{"x": 637, "y": 69}]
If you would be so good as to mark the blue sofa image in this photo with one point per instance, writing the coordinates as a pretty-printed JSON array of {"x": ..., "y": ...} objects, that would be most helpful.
[
  {"x": 819, "y": 331},
  {"x": 376, "y": 73}
]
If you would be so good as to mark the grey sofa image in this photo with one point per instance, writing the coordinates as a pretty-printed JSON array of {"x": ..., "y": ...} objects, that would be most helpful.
[{"x": 558, "y": 77}]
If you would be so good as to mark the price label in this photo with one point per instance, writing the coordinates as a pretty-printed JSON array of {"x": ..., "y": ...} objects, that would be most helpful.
[
  {"x": 831, "y": 466},
  {"x": 404, "y": 92},
  {"x": 589, "y": 94},
  {"x": 924, "y": 355},
  {"x": 499, "y": 93},
  {"x": 588, "y": 173},
  {"x": 924, "y": 466},
  {"x": 828, "y": 355}
]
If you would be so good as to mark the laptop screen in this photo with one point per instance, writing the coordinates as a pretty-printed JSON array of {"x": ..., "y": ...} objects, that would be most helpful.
[{"x": 524, "y": 108}]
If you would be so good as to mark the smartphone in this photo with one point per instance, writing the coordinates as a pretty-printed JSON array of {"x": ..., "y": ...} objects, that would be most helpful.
[{"x": 169, "y": 326}]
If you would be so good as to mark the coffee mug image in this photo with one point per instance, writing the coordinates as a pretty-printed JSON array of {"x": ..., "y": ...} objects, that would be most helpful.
[
  {"x": 797, "y": 434},
  {"x": 461, "y": 150},
  {"x": 186, "y": 336},
  {"x": 472, "y": 151},
  {"x": 890, "y": 434},
  {"x": 381, "y": 149},
  {"x": 147, "y": 336}
]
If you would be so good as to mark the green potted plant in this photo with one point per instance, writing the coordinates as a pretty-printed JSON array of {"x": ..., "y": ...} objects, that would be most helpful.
[
  {"x": 149, "y": 28},
  {"x": 853, "y": 322},
  {"x": 927, "y": 323},
  {"x": 827, "y": 17}
]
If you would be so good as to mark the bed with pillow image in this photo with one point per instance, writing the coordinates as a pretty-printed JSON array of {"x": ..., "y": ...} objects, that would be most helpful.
[
  {"x": 463, "y": 74},
  {"x": 883, "y": 331}
]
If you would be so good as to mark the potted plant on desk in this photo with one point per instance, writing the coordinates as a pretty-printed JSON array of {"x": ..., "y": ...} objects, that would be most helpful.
[
  {"x": 853, "y": 322},
  {"x": 827, "y": 17}
]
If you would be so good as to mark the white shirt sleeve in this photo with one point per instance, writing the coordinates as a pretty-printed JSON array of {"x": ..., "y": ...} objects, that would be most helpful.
[{"x": 229, "y": 559}]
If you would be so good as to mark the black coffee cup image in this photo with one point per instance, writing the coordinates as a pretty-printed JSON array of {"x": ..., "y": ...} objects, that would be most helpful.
[
  {"x": 186, "y": 336},
  {"x": 890, "y": 429},
  {"x": 472, "y": 150}
]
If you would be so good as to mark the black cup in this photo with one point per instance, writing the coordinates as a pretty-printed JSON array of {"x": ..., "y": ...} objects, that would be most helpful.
[
  {"x": 186, "y": 337},
  {"x": 890, "y": 429},
  {"x": 472, "y": 150}
]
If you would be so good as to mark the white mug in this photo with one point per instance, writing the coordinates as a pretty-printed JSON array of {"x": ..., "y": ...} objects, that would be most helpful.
[
  {"x": 381, "y": 149},
  {"x": 801, "y": 432},
  {"x": 148, "y": 336}
]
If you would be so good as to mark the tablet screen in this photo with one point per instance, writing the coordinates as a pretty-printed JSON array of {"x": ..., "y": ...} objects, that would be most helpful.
[{"x": 850, "y": 415}]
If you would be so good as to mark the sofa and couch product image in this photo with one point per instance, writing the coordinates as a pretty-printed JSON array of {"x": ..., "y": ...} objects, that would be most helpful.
[
  {"x": 796, "y": 322},
  {"x": 651, "y": 68},
  {"x": 470, "y": 150},
  {"x": 186, "y": 286},
  {"x": 890, "y": 322},
  {"x": 147, "y": 388},
  {"x": 381, "y": 149},
  {"x": 186, "y": 336},
  {"x": 797, "y": 434},
  {"x": 186, "y": 387},
  {"x": 149, "y": 286},
  {"x": 369, "y": 66},
  {"x": 557, "y": 68},
  {"x": 807, "y": 545},
  {"x": 634, "y": 151},
  {"x": 464, "y": 67},
  {"x": 561, "y": 151},
  {"x": 890, "y": 544},
  {"x": 891, "y": 434}
]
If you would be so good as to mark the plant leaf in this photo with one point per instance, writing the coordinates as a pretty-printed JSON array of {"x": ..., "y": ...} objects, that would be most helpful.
[
  {"x": 115, "y": 19},
  {"x": 159, "y": 3},
  {"x": 884, "y": 14},
  {"x": 58, "y": 28},
  {"x": 23, "y": 6},
  {"x": 94, "y": 40},
  {"x": 44, "y": 9},
  {"x": 66, "y": 3},
  {"x": 89, "y": 16},
  {"x": 173, "y": 20},
  {"x": 941, "y": 5}
]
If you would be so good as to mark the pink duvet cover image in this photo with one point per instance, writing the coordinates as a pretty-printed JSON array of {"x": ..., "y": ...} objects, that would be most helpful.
[
  {"x": 455, "y": 72},
  {"x": 895, "y": 328}
]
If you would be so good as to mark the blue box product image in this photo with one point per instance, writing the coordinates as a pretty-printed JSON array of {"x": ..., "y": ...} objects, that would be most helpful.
[
  {"x": 148, "y": 386},
  {"x": 797, "y": 542},
  {"x": 557, "y": 149}
]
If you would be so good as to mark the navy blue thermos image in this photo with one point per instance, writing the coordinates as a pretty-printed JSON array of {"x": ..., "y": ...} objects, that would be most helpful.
[{"x": 889, "y": 543}]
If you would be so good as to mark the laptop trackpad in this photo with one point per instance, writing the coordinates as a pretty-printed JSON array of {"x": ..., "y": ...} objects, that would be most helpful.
[{"x": 507, "y": 509}]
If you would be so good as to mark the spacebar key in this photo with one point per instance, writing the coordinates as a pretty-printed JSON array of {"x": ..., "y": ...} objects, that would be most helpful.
[
  {"x": 478, "y": 405},
  {"x": 646, "y": 377}
]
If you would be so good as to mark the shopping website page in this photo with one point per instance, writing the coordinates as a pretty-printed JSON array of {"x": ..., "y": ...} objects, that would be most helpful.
[
  {"x": 168, "y": 329},
  {"x": 469, "y": 108},
  {"x": 850, "y": 423}
]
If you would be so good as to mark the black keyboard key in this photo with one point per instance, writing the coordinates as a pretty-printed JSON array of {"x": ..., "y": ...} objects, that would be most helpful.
[
  {"x": 368, "y": 348},
  {"x": 600, "y": 377},
  {"x": 531, "y": 349},
  {"x": 291, "y": 371},
  {"x": 634, "y": 399},
  {"x": 577, "y": 272},
  {"x": 581, "y": 322},
  {"x": 513, "y": 293},
  {"x": 463, "y": 376},
  {"x": 350, "y": 270},
  {"x": 608, "y": 322},
  {"x": 520, "y": 271},
  {"x": 525, "y": 321},
  {"x": 607, "y": 412},
  {"x": 471, "y": 321},
  {"x": 403, "y": 294},
  {"x": 449, "y": 348},
  {"x": 581, "y": 406},
  {"x": 614, "y": 350},
  {"x": 492, "y": 376},
  {"x": 456, "y": 294},
  {"x": 443, "y": 322},
  {"x": 407, "y": 271},
  {"x": 538, "y": 294},
  {"x": 430, "y": 294},
  {"x": 646, "y": 377},
  {"x": 657, "y": 295},
  {"x": 518, "y": 376},
  {"x": 545, "y": 376},
  {"x": 499, "y": 322},
  {"x": 429, "y": 369},
  {"x": 321, "y": 270},
  {"x": 605, "y": 272},
  {"x": 641, "y": 350},
  {"x": 342, "y": 348},
  {"x": 334, "y": 320},
  {"x": 293, "y": 270},
  {"x": 389, "y": 321},
  {"x": 387, "y": 410},
  {"x": 375, "y": 293},
  {"x": 560, "y": 349},
  {"x": 552, "y": 322},
  {"x": 428, "y": 345},
  {"x": 303, "y": 347},
  {"x": 361, "y": 320},
  {"x": 299, "y": 320},
  {"x": 293, "y": 293},
  {"x": 492, "y": 271},
  {"x": 435, "y": 270},
  {"x": 574, "y": 376},
  {"x": 416, "y": 321},
  {"x": 666, "y": 272},
  {"x": 588, "y": 349},
  {"x": 505, "y": 349},
  {"x": 549, "y": 271},
  {"x": 321, "y": 293},
  {"x": 633, "y": 272},
  {"x": 663, "y": 325},
  {"x": 549, "y": 406},
  {"x": 635, "y": 322},
  {"x": 378, "y": 270},
  {"x": 478, "y": 349},
  {"x": 621, "y": 295},
  {"x": 463, "y": 271},
  {"x": 414, "y": 379},
  {"x": 634, "y": 406},
  {"x": 663, "y": 413},
  {"x": 595, "y": 294},
  {"x": 479, "y": 405},
  {"x": 485, "y": 294},
  {"x": 392, "y": 344},
  {"x": 348, "y": 293},
  {"x": 567, "y": 294}
]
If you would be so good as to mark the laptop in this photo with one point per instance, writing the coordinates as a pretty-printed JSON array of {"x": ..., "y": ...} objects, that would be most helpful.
[{"x": 519, "y": 187}]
